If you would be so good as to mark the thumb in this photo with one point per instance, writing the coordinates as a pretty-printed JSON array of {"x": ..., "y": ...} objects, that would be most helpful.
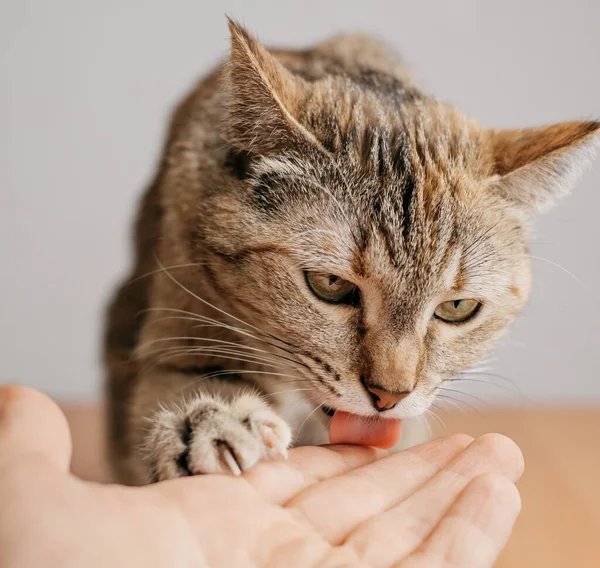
[{"x": 32, "y": 424}]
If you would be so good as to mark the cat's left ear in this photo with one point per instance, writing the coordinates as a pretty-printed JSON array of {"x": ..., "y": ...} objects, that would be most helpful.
[
  {"x": 532, "y": 167},
  {"x": 263, "y": 99}
]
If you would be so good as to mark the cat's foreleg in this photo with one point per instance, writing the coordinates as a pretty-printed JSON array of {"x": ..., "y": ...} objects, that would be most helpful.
[{"x": 182, "y": 425}]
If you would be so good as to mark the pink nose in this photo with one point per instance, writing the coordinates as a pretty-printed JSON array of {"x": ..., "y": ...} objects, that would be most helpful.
[{"x": 383, "y": 399}]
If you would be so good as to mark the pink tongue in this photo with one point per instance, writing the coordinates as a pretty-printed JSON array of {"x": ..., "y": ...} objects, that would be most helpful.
[{"x": 352, "y": 429}]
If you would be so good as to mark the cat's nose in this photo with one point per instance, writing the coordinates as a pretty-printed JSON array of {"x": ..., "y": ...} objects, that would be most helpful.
[{"x": 384, "y": 399}]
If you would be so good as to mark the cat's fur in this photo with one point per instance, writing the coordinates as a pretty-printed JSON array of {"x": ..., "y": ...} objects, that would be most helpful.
[{"x": 329, "y": 160}]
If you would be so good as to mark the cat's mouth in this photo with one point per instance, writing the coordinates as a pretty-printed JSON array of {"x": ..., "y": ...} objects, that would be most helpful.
[
  {"x": 328, "y": 410},
  {"x": 347, "y": 428}
]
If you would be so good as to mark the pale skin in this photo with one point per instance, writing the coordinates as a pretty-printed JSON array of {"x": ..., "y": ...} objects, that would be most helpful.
[{"x": 451, "y": 502}]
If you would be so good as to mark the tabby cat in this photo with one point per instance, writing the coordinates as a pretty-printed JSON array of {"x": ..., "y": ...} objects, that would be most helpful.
[{"x": 321, "y": 235}]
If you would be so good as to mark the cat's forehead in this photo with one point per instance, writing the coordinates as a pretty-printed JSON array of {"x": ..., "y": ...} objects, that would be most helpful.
[
  {"x": 403, "y": 227},
  {"x": 390, "y": 184},
  {"x": 399, "y": 198},
  {"x": 377, "y": 156},
  {"x": 400, "y": 209}
]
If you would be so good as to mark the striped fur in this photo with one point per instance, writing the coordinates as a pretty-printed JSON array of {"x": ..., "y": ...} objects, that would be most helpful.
[{"x": 329, "y": 160}]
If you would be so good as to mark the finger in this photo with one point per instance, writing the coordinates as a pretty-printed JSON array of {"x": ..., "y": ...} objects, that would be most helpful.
[
  {"x": 337, "y": 506},
  {"x": 32, "y": 425},
  {"x": 346, "y": 428},
  {"x": 476, "y": 528},
  {"x": 280, "y": 481},
  {"x": 377, "y": 540}
]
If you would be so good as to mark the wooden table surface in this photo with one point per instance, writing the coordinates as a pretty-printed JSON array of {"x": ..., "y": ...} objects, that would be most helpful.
[{"x": 559, "y": 526}]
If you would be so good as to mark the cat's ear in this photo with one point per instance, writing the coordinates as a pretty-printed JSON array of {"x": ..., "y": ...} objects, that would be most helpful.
[
  {"x": 534, "y": 166},
  {"x": 263, "y": 99}
]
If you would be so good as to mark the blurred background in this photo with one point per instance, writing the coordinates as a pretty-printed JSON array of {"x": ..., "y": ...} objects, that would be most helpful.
[{"x": 85, "y": 92}]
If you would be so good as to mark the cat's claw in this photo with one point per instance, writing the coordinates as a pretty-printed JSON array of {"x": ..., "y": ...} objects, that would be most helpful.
[
  {"x": 275, "y": 445},
  {"x": 212, "y": 436},
  {"x": 229, "y": 460}
]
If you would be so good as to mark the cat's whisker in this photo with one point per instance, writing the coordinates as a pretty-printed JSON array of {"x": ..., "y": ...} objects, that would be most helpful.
[
  {"x": 195, "y": 296},
  {"x": 306, "y": 419},
  {"x": 495, "y": 376},
  {"x": 472, "y": 396},
  {"x": 210, "y": 321},
  {"x": 216, "y": 323},
  {"x": 431, "y": 413},
  {"x": 451, "y": 402},
  {"x": 147, "y": 353},
  {"x": 161, "y": 360},
  {"x": 444, "y": 396},
  {"x": 479, "y": 240},
  {"x": 206, "y": 319},
  {"x": 267, "y": 355},
  {"x": 190, "y": 396},
  {"x": 193, "y": 315},
  {"x": 511, "y": 386},
  {"x": 207, "y": 303},
  {"x": 293, "y": 382},
  {"x": 477, "y": 261},
  {"x": 216, "y": 351},
  {"x": 439, "y": 408},
  {"x": 196, "y": 338},
  {"x": 158, "y": 270},
  {"x": 427, "y": 423},
  {"x": 242, "y": 332},
  {"x": 484, "y": 382},
  {"x": 552, "y": 263},
  {"x": 286, "y": 392},
  {"x": 155, "y": 320},
  {"x": 296, "y": 402},
  {"x": 225, "y": 372}
]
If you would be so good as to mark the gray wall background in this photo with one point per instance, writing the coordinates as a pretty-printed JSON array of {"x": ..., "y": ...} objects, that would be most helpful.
[{"x": 85, "y": 90}]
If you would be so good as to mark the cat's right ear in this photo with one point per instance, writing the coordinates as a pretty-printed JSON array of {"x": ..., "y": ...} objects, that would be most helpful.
[
  {"x": 534, "y": 166},
  {"x": 263, "y": 99}
]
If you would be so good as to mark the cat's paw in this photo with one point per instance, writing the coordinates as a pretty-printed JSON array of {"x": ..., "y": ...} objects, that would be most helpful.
[{"x": 210, "y": 436}]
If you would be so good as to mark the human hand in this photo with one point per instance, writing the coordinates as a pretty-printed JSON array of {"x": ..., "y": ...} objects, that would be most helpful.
[{"x": 450, "y": 502}]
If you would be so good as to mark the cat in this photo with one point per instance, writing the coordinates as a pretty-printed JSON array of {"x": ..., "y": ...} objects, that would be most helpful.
[{"x": 320, "y": 235}]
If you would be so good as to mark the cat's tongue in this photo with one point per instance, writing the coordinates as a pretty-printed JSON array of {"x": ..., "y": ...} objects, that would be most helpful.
[{"x": 352, "y": 429}]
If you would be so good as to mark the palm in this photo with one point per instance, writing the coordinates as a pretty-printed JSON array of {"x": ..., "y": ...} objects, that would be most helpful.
[{"x": 340, "y": 506}]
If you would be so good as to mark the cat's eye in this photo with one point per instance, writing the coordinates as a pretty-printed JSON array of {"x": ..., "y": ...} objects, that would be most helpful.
[
  {"x": 457, "y": 311},
  {"x": 332, "y": 288}
]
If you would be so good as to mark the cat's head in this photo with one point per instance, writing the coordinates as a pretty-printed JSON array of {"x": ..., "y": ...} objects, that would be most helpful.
[{"x": 379, "y": 233}]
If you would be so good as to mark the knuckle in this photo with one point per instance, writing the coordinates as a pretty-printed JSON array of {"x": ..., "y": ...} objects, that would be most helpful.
[
  {"x": 497, "y": 488},
  {"x": 460, "y": 440}
]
